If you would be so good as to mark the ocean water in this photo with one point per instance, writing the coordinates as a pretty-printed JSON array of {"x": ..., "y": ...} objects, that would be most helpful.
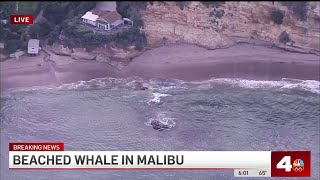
[{"x": 109, "y": 114}]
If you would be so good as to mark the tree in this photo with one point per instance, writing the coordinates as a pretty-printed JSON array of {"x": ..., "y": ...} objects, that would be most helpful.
[
  {"x": 54, "y": 11},
  {"x": 11, "y": 46},
  {"x": 54, "y": 34},
  {"x": 6, "y": 9},
  {"x": 34, "y": 31},
  {"x": 39, "y": 30},
  {"x": 132, "y": 10},
  {"x": 277, "y": 16}
]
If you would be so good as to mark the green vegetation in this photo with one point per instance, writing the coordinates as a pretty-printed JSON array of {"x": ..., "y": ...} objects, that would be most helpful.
[
  {"x": 277, "y": 16},
  {"x": 7, "y": 8},
  {"x": 182, "y": 4},
  {"x": 26, "y": 7},
  {"x": 14, "y": 36},
  {"x": 215, "y": 4},
  {"x": 131, "y": 10},
  {"x": 299, "y": 8},
  {"x": 216, "y": 14},
  {"x": 90, "y": 47},
  {"x": 39, "y": 30},
  {"x": 284, "y": 37},
  {"x": 17, "y": 7},
  {"x": 164, "y": 3},
  {"x": 80, "y": 36},
  {"x": 131, "y": 37},
  {"x": 64, "y": 17}
]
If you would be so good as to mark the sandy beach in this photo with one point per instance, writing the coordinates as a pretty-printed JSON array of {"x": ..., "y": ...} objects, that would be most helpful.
[{"x": 185, "y": 62}]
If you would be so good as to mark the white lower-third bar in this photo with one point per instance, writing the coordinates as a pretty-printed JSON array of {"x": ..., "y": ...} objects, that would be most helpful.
[{"x": 166, "y": 160}]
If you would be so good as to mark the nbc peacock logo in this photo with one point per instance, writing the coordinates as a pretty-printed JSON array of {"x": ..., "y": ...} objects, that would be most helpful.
[{"x": 298, "y": 165}]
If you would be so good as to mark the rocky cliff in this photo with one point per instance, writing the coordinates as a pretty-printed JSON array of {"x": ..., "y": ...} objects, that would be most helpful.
[{"x": 249, "y": 22}]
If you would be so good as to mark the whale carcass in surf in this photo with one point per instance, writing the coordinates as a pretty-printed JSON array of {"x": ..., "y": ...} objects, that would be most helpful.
[
  {"x": 158, "y": 125},
  {"x": 166, "y": 84}
]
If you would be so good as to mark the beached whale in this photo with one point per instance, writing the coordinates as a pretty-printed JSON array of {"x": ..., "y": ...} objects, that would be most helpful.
[
  {"x": 166, "y": 84},
  {"x": 158, "y": 125}
]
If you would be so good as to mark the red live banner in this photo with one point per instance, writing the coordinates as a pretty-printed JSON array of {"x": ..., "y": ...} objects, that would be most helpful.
[
  {"x": 56, "y": 146},
  {"x": 290, "y": 164},
  {"x": 21, "y": 19}
]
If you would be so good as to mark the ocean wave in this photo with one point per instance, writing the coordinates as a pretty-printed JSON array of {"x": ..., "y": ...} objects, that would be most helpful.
[
  {"x": 312, "y": 86},
  {"x": 157, "y": 98}
]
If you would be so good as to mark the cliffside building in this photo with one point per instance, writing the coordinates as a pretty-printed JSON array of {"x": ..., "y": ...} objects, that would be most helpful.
[{"x": 105, "y": 20}]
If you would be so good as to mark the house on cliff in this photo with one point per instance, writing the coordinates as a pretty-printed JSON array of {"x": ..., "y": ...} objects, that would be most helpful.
[{"x": 104, "y": 19}]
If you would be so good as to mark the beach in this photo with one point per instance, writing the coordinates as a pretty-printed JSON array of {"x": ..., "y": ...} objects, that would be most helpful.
[{"x": 184, "y": 62}]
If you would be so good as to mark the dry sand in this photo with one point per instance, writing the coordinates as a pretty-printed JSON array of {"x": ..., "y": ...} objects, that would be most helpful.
[
  {"x": 189, "y": 62},
  {"x": 186, "y": 62}
]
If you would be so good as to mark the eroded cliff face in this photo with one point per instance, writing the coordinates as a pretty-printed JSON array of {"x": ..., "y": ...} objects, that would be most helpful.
[{"x": 241, "y": 22}]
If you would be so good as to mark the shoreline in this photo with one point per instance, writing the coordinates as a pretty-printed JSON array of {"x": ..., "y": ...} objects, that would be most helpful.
[{"x": 184, "y": 62}]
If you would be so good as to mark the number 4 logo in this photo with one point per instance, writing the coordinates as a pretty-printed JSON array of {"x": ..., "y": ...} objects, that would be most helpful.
[{"x": 285, "y": 163}]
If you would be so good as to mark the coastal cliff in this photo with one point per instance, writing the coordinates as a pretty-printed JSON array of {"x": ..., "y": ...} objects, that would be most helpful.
[{"x": 231, "y": 23}]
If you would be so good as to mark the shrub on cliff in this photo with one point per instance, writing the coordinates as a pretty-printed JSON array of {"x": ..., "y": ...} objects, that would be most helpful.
[
  {"x": 182, "y": 4},
  {"x": 131, "y": 37},
  {"x": 299, "y": 8},
  {"x": 131, "y": 10},
  {"x": 39, "y": 30},
  {"x": 54, "y": 34},
  {"x": 277, "y": 16},
  {"x": 284, "y": 37},
  {"x": 12, "y": 46},
  {"x": 215, "y": 4},
  {"x": 217, "y": 13},
  {"x": 91, "y": 47}
]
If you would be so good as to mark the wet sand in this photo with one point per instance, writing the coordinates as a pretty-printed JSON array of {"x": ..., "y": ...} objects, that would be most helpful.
[{"x": 185, "y": 62}]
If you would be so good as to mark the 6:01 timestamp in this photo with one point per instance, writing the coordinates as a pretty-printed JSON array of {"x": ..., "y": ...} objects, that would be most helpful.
[{"x": 243, "y": 173}]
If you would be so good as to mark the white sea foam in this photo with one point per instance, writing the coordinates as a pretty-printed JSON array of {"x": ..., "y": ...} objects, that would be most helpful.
[
  {"x": 164, "y": 119},
  {"x": 286, "y": 83},
  {"x": 157, "y": 98}
]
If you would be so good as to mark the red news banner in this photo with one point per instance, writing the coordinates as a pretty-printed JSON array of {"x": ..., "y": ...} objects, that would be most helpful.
[
  {"x": 290, "y": 164},
  {"x": 36, "y": 146}
]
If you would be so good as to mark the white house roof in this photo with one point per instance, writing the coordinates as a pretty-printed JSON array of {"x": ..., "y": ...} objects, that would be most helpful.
[
  {"x": 33, "y": 43},
  {"x": 126, "y": 19},
  {"x": 90, "y": 16}
]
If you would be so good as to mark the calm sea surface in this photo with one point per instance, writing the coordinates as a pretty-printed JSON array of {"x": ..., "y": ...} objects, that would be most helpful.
[{"x": 215, "y": 115}]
